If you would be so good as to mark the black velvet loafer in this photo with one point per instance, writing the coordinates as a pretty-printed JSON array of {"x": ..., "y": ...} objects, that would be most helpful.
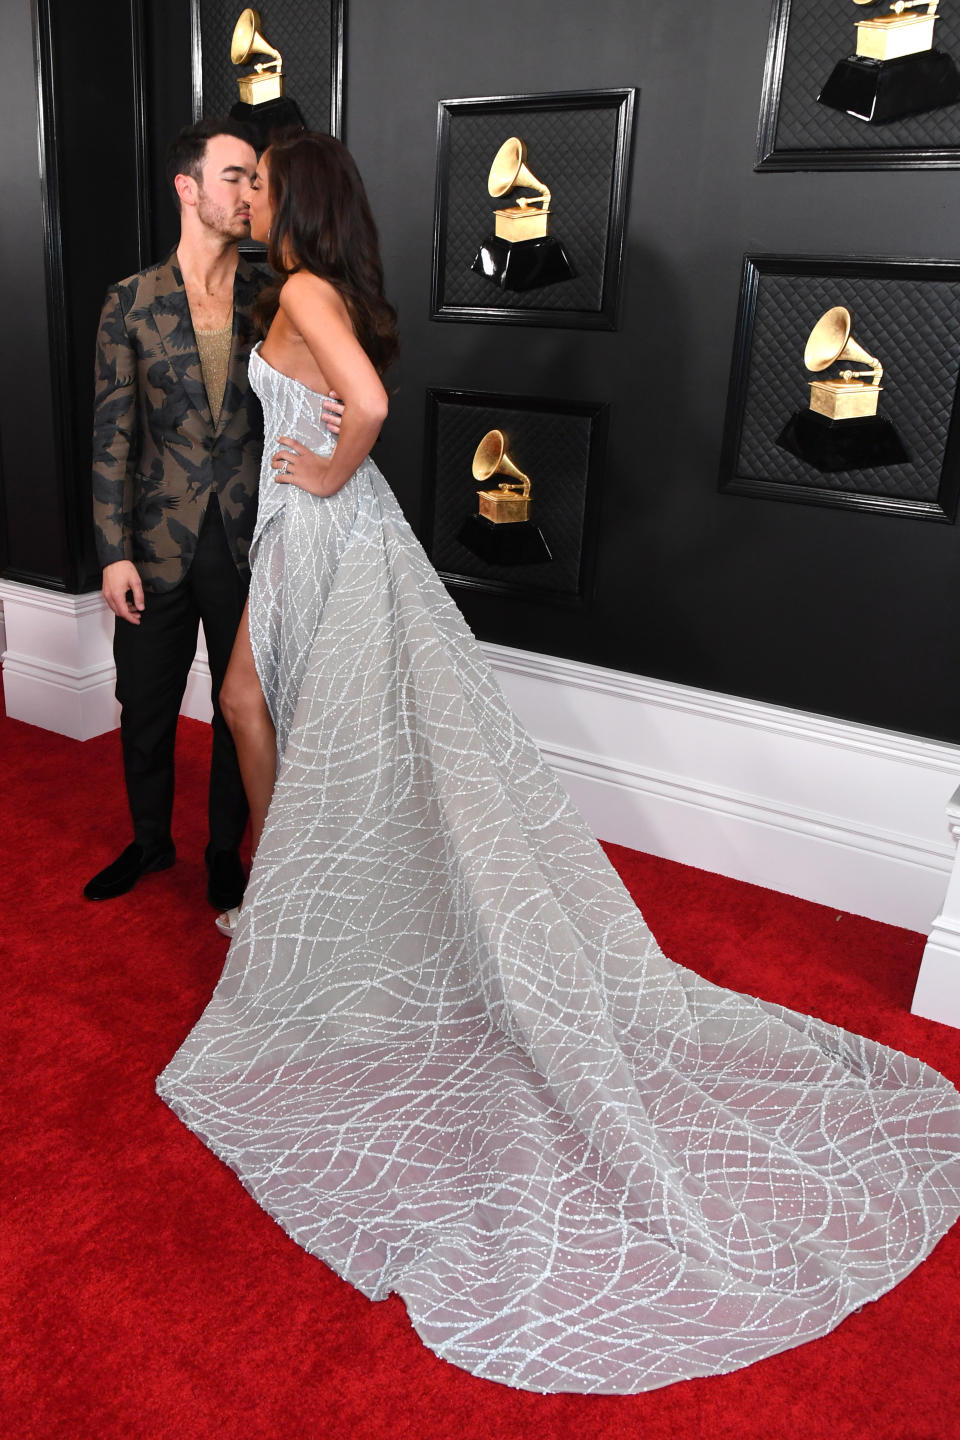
[
  {"x": 226, "y": 881},
  {"x": 126, "y": 870}
]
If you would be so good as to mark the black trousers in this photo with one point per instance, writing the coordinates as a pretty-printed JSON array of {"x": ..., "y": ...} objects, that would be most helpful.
[{"x": 153, "y": 662}]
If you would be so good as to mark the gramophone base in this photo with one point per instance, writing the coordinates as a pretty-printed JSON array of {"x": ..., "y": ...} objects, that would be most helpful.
[
  {"x": 519, "y": 543},
  {"x": 523, "y": 264},
  {"x": 832, "y": 445},
  {"x": 879, "y": 91},
  {"x": 267, "y": 117}
]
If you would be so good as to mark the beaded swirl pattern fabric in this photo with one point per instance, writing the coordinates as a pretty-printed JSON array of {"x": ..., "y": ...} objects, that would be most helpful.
[{"x": 448, "y": 1057}]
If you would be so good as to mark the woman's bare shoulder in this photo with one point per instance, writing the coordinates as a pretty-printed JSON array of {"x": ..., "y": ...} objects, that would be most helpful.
[{"x": 305, "y": 288}]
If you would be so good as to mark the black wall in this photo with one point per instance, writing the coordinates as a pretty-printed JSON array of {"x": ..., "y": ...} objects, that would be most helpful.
[
  {"x": 32, "y": 538},
  {"x": 826, "y": 610},
  {"x": 85, "y": 92},
  {"x": 845, "y": 613}
]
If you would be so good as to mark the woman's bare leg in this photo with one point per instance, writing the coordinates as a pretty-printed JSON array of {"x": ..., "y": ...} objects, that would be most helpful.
[{"x": 245, "y": 711}]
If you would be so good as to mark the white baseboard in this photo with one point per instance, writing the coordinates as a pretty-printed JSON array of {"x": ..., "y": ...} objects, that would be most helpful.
[
  {"x": 196, "y": 698},
  {"x": 58, "y": 660},
  {"x": 847, "y": 815},
  {"x": 58, "y": 671},
  {"x": 937, "y": 994}
]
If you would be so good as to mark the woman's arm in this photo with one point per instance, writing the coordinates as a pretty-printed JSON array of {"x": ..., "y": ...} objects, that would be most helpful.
[{"x": 315, "y": 310}]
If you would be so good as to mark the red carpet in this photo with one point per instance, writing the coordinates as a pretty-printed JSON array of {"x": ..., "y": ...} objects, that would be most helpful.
[{"x": 145, "y": 1293}]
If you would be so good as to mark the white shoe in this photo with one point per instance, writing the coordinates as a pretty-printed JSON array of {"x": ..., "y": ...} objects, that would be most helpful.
[{"x": 227, "y": 922}]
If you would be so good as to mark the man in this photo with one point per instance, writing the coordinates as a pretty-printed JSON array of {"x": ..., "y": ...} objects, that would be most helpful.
[{"x": 177, "y": 442}]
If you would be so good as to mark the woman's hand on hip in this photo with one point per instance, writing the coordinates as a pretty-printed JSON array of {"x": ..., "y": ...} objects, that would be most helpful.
[{"x": 294, "y": 464}]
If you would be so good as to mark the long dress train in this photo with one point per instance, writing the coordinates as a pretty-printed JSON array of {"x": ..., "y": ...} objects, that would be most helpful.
[{"x": 448, "y": 1057}]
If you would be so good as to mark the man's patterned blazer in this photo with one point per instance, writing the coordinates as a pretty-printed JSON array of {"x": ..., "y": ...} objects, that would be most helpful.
[{"x": 157, "y": 456}]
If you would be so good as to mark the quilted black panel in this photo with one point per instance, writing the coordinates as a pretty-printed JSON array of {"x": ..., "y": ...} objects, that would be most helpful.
[
  {"x": 553, "y": 448},
  {"x": 570, "y": 151},
  {"x": 820, "y": 33},
  {"x": 912, "y": 326},
  {"x": 300, "y": 29}
]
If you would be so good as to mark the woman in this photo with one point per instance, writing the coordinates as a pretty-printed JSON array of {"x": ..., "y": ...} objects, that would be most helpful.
[
  {"x": 314, "y": 316},
  {"x": 445, "y": 1052}
]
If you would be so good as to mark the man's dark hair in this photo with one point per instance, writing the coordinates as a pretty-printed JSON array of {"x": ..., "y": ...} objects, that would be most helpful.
[{"x": 185, "y": 154}]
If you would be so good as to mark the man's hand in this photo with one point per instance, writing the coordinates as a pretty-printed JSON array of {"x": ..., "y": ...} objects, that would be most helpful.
[
  {"x": 332, "y": 412},
  {"x": 119, "y": 579}
]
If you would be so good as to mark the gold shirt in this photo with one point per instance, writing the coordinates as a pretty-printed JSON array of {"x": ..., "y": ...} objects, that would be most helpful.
[{"x": 214, "y": 349}]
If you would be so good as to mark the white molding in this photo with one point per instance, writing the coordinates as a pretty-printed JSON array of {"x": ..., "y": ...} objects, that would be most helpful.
[
  {"x": 58, "y": 670},
  {"x": 53, "y": 602},
  {"x": 755, "y": 714},
  {"x": 844, "y": 814},
  {"x": 196, "y": 697},
  {"x": 87, "y": 678},
  {"x": 814, "y": 824},
  {"x": 58, "y": 660},
  {"x": 937, "y": 996}
]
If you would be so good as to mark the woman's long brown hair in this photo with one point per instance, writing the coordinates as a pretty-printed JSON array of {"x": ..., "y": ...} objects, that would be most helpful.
[{"x": 322, "y": 223}]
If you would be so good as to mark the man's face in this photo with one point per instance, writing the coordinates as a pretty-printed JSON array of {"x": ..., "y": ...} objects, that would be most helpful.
[{"x": 228, "y": 166}]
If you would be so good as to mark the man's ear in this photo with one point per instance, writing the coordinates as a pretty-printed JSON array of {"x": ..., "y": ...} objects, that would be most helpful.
[{"x": 186, "y": 188}]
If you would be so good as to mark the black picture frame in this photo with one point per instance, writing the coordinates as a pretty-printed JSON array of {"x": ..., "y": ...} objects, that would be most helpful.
[
  {"x": 560, "y": 444},
  {"x": 806, "y": 40},
  {"x": 309, "y": 37},
  {"x": 904, "y": 311},
  {"x": 588, "y": 210}
]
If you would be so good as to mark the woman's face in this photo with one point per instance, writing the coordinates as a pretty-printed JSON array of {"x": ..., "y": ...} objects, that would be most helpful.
[{"x": 258, "y": 198}]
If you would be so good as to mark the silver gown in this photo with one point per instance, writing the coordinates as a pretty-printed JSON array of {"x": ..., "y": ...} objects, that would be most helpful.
[{"x": 449, "y": 1058}]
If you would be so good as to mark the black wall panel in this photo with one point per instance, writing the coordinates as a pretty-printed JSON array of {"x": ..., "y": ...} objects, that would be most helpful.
[
  {"x": 72, "y": 222},
  {"x": 168, "y": 86},
  {"x": 845, "y": 613},
  {"x": 34, "y": 546}
]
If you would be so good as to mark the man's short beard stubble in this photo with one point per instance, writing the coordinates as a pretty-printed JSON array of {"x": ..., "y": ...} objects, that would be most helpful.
[{"x": 217, "y": 219}]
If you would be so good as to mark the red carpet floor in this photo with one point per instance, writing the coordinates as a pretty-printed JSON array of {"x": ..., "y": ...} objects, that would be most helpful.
[{"x": 146, "y": 1295}]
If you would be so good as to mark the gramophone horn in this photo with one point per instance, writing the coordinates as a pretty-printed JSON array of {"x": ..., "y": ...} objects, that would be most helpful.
[
  {"x": 248, "y": 41},
  {"x": 491, "y": 458},
  {"x": 509, "y": 170},
  {"x": 830, "y": 340}
]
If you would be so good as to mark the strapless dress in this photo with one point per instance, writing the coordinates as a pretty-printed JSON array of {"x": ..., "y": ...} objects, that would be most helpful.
[{"x": 449, "y": 1058}]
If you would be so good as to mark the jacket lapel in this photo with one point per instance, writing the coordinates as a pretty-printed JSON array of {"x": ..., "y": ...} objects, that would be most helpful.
[
  {"x": 245, "y": 287},
  {"x": 170, "y": 314}
]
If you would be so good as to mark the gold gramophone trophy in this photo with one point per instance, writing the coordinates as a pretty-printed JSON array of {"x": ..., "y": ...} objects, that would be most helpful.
[
  {"x": 896, "y": 70},
  {"x": 841, "y": 430},
  {"x": 502, "y": 532},
  {"x": 262, "y": 104},
  {"x": 520, "y": 254}
]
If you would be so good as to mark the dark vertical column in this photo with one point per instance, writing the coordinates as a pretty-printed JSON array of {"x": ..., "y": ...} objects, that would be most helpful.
[
  {"x": 168, "y": 85},
  {"x": 73, "y": 220},
  {"x": 33, "y": 540}
]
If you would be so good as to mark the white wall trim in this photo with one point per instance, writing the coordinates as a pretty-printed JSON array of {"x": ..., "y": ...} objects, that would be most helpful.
[
  {"x": 849, "y": 815},
  {"x": 196, "y": 698},
  {"x": 937, "y": 996},
  {"x": 87, "y": 678},
  {"x": 714, "y": 798},
  {"x": 57, "y": 653},
  {"x": 51, "y": 602},
  {"x": 754, "y": 714}
]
